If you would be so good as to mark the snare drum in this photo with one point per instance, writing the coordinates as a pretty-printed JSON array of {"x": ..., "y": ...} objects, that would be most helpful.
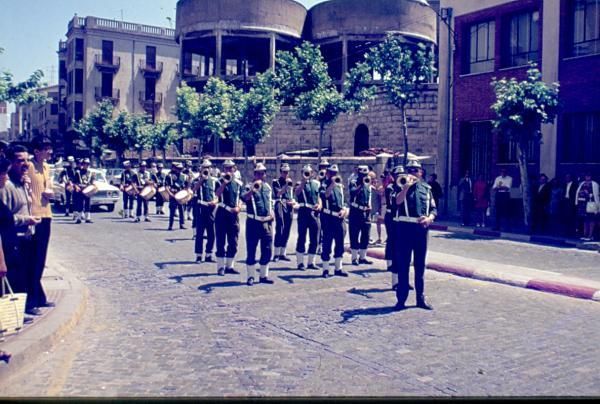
[
  {"x": 148, "y": 192},
  {"x": 131, "y": 190},
  {"x": 165, "y": 194},
  {"x": 184, "y": 196},
  {"x": 89, "y": 190}
]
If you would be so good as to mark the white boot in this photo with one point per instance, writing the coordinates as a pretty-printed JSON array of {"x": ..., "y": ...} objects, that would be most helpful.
[
  {"x": 389, "y": 263},
  {"x": 264, "y": 274},
  {"x": 394, "y": 281},
  {"x": 338, "y": 264},
  {"x": 354, "y": 255},
  {"x": 311, "y": 261},
  {"x": 325, "y": 265},
  {"x": 229, "y": 264},
  {"x": 88, "y": 217},
  {"x": 251, "y": 274},
  {"x": 300, "y": 260},
  {"x": 221, "y": 266}
]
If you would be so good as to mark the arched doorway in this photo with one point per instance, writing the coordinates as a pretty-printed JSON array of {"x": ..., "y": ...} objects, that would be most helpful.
[{"x": 361, "y": 139}]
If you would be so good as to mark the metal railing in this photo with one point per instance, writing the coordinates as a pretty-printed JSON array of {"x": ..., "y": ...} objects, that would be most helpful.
[
  {"x": 101, "y": 61},
  {"x": 115, "y": 93},
  {"x": 145, "y": 67}
]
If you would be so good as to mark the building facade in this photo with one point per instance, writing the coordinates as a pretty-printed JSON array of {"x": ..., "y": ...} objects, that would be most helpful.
[
  {"x": 133, "y": 65},
  {"x": 236, "y": 39},
  {"x": 498, "y": 38},
  {"x": 4, "y": 117},
  {"x": 36, "y": 120}
]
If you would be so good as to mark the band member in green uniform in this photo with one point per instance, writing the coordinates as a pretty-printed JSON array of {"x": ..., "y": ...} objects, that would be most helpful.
[
  {"x": 175, "y": 182},
  {"x": 67, "y": 177},
  {"x": 283, "y": 195},
  {"x": 309, "y": 204},
  {"x": 139, "y": 181},
  {"x": 126, "y": 180},
  {"x": 83, "y": 203},
  {"x": 205, "y": 187},
  {"x": 227, "y": 220}
]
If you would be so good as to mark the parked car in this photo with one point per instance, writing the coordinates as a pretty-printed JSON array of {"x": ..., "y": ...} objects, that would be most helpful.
[
  {"x": 113, "y": 175},
  {"x": 107, "y": 195}
]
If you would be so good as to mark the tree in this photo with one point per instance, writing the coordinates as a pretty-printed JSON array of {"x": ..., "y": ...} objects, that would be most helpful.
[
  {"x": 521, "y": 107},
  {"x": 162, "y": 135},
  {"x": 253, "y": 112},
  {"x": 303, "y": 81},
  {"x": 24, "y": 92},
  {"x": 403, "y": 68},
  {"x": 93, "y": 127}
]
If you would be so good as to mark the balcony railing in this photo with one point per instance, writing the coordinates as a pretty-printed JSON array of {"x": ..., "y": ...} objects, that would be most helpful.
[
  {"x": 148, "y": 103},
  {"x": 107, "y": 64},
  {"x": 110, "y": 94},
  {"x": 151, "y": 70}
]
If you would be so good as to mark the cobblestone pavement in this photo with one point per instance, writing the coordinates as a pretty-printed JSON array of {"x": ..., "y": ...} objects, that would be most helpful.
[{"x": 160, "y": 325}]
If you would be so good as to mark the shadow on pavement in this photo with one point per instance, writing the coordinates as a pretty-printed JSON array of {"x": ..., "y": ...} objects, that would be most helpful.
[
  {"x": 179, "y": 278},
  {"x": 290, "y": 278},
  {"x": 212, "y": 286},
  {"x": 162, "y": 229},
  {"x": 366, "y": 292},
  {"x": 163, "y": 265},
  {"x": 365, "y": 273},
  {"x": 351, "y": 315},
  {"x": 175, "y": 240}
]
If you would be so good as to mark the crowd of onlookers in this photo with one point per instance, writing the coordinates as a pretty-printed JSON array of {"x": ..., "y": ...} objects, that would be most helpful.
[{"x": 25, "y": 221}]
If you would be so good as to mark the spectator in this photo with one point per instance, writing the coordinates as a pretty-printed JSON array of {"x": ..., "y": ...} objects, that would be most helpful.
[
  {"x": 554, "y": 207},
  {"x": 481, "y": 197},
  {"x": 16, "y": 195},
  {"x": 377, "y": 203},
  {"x": 436, "y": 189},
  {"x": 501, "y": 188},
  {"x": 465, "y": 198},
  {"x": 569, "y": 206},
  {"x": 588, "y": 196},
  {"x": 541, "y": 205},
  {"x": 41, "y": 195},
  {"x": 7, "y": 239}
]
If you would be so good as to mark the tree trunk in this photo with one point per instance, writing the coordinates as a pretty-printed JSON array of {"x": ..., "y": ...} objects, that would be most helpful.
[
  {"x": 320, "y": 153},
  {"x": 246, "y": 159},
  {"x": 523, "y": 168},
  {"x": 404, "y": 134},
  {"x": 153, "y": 151},
  {"x": 164, "y": 152}
]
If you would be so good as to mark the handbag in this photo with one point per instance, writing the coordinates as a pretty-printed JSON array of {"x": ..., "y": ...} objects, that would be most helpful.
[
  {"x": 12, "y": 310},
  {"x": 592, "y": 207}
]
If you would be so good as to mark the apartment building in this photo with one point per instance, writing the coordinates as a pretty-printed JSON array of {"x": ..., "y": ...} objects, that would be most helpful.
[
  {"x": 4, "y": 117},
  {"x": 497, "y": 38},
  {"x": 133, "y": 65},
  {"x": 36, "y": 120}
]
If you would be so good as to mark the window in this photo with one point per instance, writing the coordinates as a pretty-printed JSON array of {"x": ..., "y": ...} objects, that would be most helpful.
[
  {"x": 150, "y": 93},
  {"x": 70, "y": 83},
  {"x": 78, "y": 81},
  {"x": 481, "y": 47},
  {"x": 522, "y": 44},
  {"x": 581, "y": 138},
  {"x": 507, "y": 151},
  {"x": 586, "y": 27},
  {"x": 107, "y": 82},
  {"x": 151, "y": 56},
  {"x": 231, "y": 67},
  {"x": 107, "y": 52},
  {"x": 62, "y": 70},
  {"x": 79, "y": 49},
  {"x": 78, "y": 113},
  {"x": 54, "y": 109}
]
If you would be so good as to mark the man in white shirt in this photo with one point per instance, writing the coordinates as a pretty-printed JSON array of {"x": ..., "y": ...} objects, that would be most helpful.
[{"x": 501, "y": 187}]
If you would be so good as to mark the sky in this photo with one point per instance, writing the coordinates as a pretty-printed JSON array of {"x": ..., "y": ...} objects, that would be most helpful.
[{"x": 31, "y": 29}]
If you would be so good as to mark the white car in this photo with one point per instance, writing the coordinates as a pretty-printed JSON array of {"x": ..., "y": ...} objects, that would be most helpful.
[
  {"x": 113, "y": 175},
  {"x": 107, "y": 195}
]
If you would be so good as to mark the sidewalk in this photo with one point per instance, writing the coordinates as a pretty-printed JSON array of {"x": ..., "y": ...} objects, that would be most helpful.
[
  {"x": 70, "y": 297},
  {"x": 528, "y": 278}
]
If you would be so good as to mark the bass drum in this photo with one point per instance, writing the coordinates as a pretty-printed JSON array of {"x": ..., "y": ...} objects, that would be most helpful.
[
  {"x": 165, "y": 194},
  {"x": 89, "y": 191},
  {"x": 184, "y": 196},
  {"x": 148, "y": 192}
]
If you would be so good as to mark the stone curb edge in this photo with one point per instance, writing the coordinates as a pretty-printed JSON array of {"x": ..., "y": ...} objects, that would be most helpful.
[
  {"x": 27, "y": 347},
  {"x": 548, "y": 240},
  {"x": 566, "y": 289}
]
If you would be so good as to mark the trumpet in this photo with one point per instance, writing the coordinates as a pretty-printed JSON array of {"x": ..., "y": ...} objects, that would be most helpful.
[
  {"x": 227, "y": 178},
  {"x": 289, "y": 183},
  {"x": 367, "y": 180},
  {"x": 206, "y": 173},
  {"x": 307, "y": 174},
  {"x": 322, "y": 174},
  {"x": 337, "y": 179},
  {"x": 257, "y": 185},
  {"x": 402, "y": 180}
]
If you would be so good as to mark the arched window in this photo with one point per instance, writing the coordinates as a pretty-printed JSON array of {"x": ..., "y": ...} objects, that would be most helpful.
[{"x": 361, "y": 139}]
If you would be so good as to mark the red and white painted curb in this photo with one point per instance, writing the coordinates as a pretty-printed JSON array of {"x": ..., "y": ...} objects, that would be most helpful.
[{"x": 543, "y": 285}]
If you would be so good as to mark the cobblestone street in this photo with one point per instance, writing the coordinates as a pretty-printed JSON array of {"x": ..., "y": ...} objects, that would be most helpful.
[{"x": 158, "y": 324}]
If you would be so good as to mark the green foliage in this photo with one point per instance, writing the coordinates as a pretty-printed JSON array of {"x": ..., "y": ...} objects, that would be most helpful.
[
  {"x": 356, "y": 91},
  {"x": 186, "y": 109},
  {"x": 24, "y": 92},
  {"x": 162, "y": 135},
  {"x": 93, "y": 127},
  {"x": 402, "y": 68},
  {"x": 521, "y": 106},
  {"x": 253, "y": 112}
]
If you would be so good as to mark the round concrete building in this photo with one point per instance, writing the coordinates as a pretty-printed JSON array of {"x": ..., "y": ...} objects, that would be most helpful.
[{"x": 235, "y": 39}]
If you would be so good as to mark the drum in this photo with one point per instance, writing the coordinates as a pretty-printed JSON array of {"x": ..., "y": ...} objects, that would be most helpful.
[
  {"x": 69, "y": 187},
  {"x": 89, "y": 190},
  {"x": 131, "y": 190},
  {"x": 184, "y": 196},
  {"x": 148, "y": 192},
  {"x": 165, "y": 194}
]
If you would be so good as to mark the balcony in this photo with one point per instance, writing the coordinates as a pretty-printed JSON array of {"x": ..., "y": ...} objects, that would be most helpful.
[
  {"x": 106, "y": 65},
  {"x": 190, "y": 73},
  {"x": 150, "y": 104},
  {"x": 151, "y": 70},
  {"x": 113, "y": 96}
]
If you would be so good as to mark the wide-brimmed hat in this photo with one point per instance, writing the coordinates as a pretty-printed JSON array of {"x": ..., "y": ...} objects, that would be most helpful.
[
  {"x": 178, "y": 165},
  {"x": 398, "y": 170},
  {"x": 307, "y": 167},
  {"x": 362, "y": 169},
  {"x": 324, "y": 163},
  {"x": 86, "y": 161},
  {"x": 414, "y": 164},
  {"x": 71, "y": 159},
  {"x": 206, "y": 163},
  {"x": 284, "y": 167},
  {"x": 228, "y": 163},
  {"x": 333, "y": 168},
  {"x": 260, "y": 167},
  {"x": 127, "y": 163}
]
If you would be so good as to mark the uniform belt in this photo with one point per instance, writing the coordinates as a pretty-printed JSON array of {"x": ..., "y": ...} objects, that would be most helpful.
[
  {"x": 260, "y": 218},
  {"x": 306, "y": 205},
  {"x": 406, "y": 219},
  {"x": 360, "y": 207},
  {"x": 227, "y": 208},
  {"x": 388, "y": 211},
  {"x": 330, "y": 212},
  {"x": 204, "y": 203}
]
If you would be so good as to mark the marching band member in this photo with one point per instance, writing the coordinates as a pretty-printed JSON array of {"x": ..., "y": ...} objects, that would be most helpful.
[
  {"x": 284, "y": 211},
  {"x": 391, "y": 191},
  {"x": 159, "y": 180},
  {"x": 83, "y": 203},
  {"x": 139, "y": 181},
  {"x": 189, "y": 173},
  {"x": 67, "y": 177},
  {"x": 259, "y": 225},
  {"x": 360, "y": 220},
  {"x": 205, "y": 187},
  {"x": 227, "y": 220},
  {"x": 126, "y": 180},
  {"x": 322, "y": 176},
  {"x": 307, "y": 197},
  {"x": 176, "y": 181},
  {"x": 332, "y": 220}
]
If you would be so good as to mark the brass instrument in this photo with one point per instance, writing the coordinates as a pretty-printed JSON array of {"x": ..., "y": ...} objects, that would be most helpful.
[
  {"x": 322, "y": 174},
  {"x": 206, "y": 174},
  {"x": 307, "y": 174},
  {"x": 402, "y": 180},
  {"x": 257, "y": 185},
  {"x": 337, "y": 179},
  {"x": 227, "y": 178},
  {"x": 289, "y": 183},
  {"x": 367, "y": 180}
]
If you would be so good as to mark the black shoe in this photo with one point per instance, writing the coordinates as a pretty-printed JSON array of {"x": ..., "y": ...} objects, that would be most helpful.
[
  {"x": 231, "y": 271},
  {"x": 311, "y": 266},
  {"x": 78, "y": 221},
  {"x": 325, "y": 274},
  {"x": 88, "y": 221},
  {"x": 137, "y": 220},
  {"x": 355, "y": 262},
  {"x": 341, "y": 273},
  {"x": 395, "y": 287},
  {"x": 170, "y": 228},
  {"x": 250, "y": 281},
  {"x": 5, "y": 356},
  {"x": 208, "y": 258},
  {"x": 33, "y": 311},
  {"x": 48, "y": 304},
  {"x": 276, "y": 258},
  {"x": 67, "y": 214},
  {"x": 221, "y": 272},
  {"x": 410, "y": 287},
  {"x": 266, "y": 280},
  {"x": 399, "y": 306},
  {"x": 301, "y": 267},
  {"x": 284, "y": 258},
  {"x": 147, "y": 220},
  {"x": 365, "y": 261},
  {"x": 198, "y": 258},
  {"x": 28, "y": 320},
  {"x": 424, "y": 304},
  {"x": 182, "y": 227}
]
